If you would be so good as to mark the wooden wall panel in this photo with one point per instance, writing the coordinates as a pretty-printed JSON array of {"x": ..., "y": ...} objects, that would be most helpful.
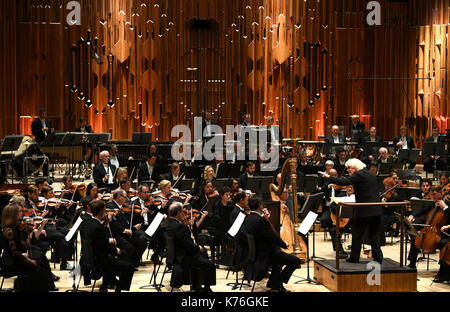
[{"x": 310, "y": 64}]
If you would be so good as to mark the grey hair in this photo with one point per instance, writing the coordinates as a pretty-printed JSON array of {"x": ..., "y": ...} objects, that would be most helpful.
[
  {"x": 175, "y": 208},
  {"x": 102, "y": 153},
  {"x": 384, "y": 149}
]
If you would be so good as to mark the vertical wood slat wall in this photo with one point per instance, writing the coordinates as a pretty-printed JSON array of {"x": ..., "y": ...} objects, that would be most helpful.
[{"x": 172, "y": 59}]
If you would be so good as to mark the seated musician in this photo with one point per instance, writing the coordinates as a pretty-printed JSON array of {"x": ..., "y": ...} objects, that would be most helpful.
[
  {"x": 444, "y": 182},
  {"x": 430, "y": 160},
  {"x": 174, "y": 174},
  {"x": 92, "y": 191},
  {"x": 335, "y": 137},
  {"x": 329, "y": 165},
  {"x": 357, "y": 124},
  {"x": 125, "y": 184},
  {"x": 249, "y": 172},
  {"x": 268, "y": 249},
  {"x": 207, "y": 122},
  {"x": 149, "y": 171},
  {"x": 404, "y": 141},
  {"x": 149, "y": 211},
  {"x": 17, "y": 255},
  {"x": 372, "y": 137},
  {"x": 437, "y": 196},
  {"x": 443, "y": 274},
  {"x": 425, "y": 190},
  {"x": 103, "y": 172},
  {"x": 221, "y": 210},
  {"x": 373, "y": 167},
  {"x": 122, "y": 173},
  {"x": 57, "y": 230},
  {"x": 339, "y": 162},
  {"x": 383, "y": 157},
  {"x": 40, "y": 183},
  {"x": 106, "y": 249},
  {"x": 388, "y": 219},
  {"x": 189, "y": 257},
  {"x": 332, "y": 190},
  {"x": 70, "y": 193},
  {"x": 84, "y": 127},
  {"x": 115, "y": 158},
  {"x": 153, "y": 149},
  {"x": 122, "y": 225},
  {"x": 302, "y": 159}
]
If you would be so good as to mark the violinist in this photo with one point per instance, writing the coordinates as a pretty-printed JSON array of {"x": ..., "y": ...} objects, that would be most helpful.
[
  {"x": 165, "y": 193},
  {"x": 200, "y": 204},
  {"x": 72, "y": 194},
  {"x": 191, "y": 259},
  {"x": 268, "y": 244},
  {"x": 40, "y": 183},
  {"x": 122, "y": 227},
  {"x": 108, "y": 255},
  {"x": 436, "y": 195},
  {"x": 388, "y": 219},
  {"x": 220, "y": 219},
  {"x": 122, "y": 173},
  {"x": 444, "y": 182},
  {"x": 149, "y": 211},
  {"x": 234, "y": 185},
  {"x": 92, "y": 191},
  {"x": 173, "y": 175},
  {"x": 57, "y": 231},
  {"x": 17, "y": 253}
]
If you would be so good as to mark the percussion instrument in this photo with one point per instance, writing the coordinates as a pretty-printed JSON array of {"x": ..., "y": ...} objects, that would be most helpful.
[{"x": 27, "y": 148}]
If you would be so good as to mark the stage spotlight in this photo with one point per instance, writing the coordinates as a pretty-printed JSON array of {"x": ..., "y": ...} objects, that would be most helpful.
[{"x": 88, "y": 103}]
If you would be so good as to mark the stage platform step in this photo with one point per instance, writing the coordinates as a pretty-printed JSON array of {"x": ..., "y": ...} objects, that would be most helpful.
[{"x": 354, "y": 277}]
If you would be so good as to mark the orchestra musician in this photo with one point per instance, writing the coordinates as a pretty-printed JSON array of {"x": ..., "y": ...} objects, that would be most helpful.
[
  {"x": 148, "y": 170},
  {"x": 425, "y": 188},
  {"x": 174, "y": 174},
  {"x": 339, "y": 162},
  {"x": 388, "y": 219},
  {"x": 116, "y": 159},
  {"x": 207, "y": 122},
  {"x": 250, "y": 169},
  {"x": 335, "y": 137},
  {"x": 383, "y": 156},
  {"x": 437, "y": 196},
  {"x": 103, "y": 172},
  {"x": 84, "y": 127},
  {"x": 123, "y": 226},
  {"x": 40, "y": 183},
  {"x": 428, "y": 162},
  {"x": 190, "y": 258},
  {"x": 220, "y": 219},
  {"x": 365, "y": 185},
  {"x": 444, "y": 182},
  {"x": 149, "y": 211},
  {"x": 268, "y": 249},
  {"x": 372, "y": 137},
  {"x": 275, "y": 131},
  {"x": 17, "y": 256},
  {"x": 106, "y": 250},
  {"x": 404, "y": 141},
  {"x": 41, "y": 127}
]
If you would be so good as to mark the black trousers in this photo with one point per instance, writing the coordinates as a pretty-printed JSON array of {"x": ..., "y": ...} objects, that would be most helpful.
[
  {"x": 203, "y": 271},
  {"x": 278, "y": 275},
  {"x": 139, "y": 242},
  {"x": 125, "y": 247},
  {"x": 118, "y": 267},
  {"x": 359, "y": 226},
  {"x": 428, "y": 164}
]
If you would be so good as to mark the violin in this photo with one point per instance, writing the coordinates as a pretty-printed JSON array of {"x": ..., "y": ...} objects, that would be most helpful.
[
  {"x": 131, "y": 193},
  {"x": 29, "y": 212},
  {"x": 110, "y": 212},
  {"x": 339, "y": 187},
  {"x": 128, "y": 208}
]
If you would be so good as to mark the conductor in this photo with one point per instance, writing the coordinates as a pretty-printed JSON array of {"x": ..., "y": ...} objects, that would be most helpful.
[{"x": 365, "y": 185}]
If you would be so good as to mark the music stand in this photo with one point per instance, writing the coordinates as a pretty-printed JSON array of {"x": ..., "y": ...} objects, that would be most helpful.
[
  {"x": 311, "y": 204},
  {"x": 223, "y": 171},
  {"x": 386, "y": 168},
  {"x": 311, "y": 169},
  {"x": 405, "y": 193},
  {"x": 132, "y": 168},
  {"x": 372, "y": 148},
  {"x": 186, "y": 185},
  {"x": 308, "y": 184},
  {"x": 141, "y": 137},
  {"x": 220, "y": 183},
  {"x": 260, "y": 186},
  {"x": 72, "y": 139}
]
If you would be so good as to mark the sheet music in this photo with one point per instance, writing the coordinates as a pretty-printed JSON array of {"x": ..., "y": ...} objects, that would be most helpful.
[
  {"x": 236, "y": 225},
  {"x": 344, "y": 199},
  {"x": 73, "y": 229},
  {"x": 307, "y": 222},
  {"x": 155, "y": 224}
]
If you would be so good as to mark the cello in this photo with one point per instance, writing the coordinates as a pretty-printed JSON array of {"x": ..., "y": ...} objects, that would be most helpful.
[
  {"x": 296, "y": 245},
  {"x": 430, "y": 236}
]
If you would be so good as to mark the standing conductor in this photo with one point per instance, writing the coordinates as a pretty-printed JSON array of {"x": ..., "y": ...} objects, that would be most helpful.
[{"x": 365, "y": 185}]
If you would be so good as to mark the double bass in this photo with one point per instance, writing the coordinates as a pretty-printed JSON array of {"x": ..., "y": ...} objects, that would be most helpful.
[
  {"x": 430, "y": 236},
  {"x": 296, "y": 245}
]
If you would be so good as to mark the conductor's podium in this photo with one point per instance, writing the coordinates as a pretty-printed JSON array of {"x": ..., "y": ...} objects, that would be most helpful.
[
  {"x": 360, "y": 277},
  {"x": 340, "y": 275}
]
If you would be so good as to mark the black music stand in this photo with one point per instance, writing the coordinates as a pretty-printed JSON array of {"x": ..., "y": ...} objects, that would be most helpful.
[
  {"x": 405, "y": 193},
  {"x": 72, "y": 139},
  {"x": 311, "y": 169},
  {"x": 186, "y": 185},
  {"x": 141, "y": 137},
  {"x": 386, "y": 168},
  {"x": 260, "y": 186},
  {"x": 223, "y": 171},
  {"x": 308, "y": 183},
  {"x": 312, "y": 203},
  {"x": 220, "y": 183},
  {"x": 133, "y": 168}
]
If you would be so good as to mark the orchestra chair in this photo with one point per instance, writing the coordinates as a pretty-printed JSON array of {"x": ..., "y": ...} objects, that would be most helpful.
[
  {"x": 206, "y": 239},
  {"x": 5, "y": 271},
  {"x": 249, "y": 272},
  {"x": 87, "y": 262},
  {"x": 236, "y": 264},
  {"x": 170, "y": 261}
]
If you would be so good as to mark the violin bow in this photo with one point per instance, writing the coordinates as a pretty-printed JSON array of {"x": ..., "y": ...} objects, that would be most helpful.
[{"x": 396, "y": 185}]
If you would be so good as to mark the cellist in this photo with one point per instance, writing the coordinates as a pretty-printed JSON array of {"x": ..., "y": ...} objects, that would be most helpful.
[
  {"x": 436, "y": 195},
  {"x": 444, "y": 179}
]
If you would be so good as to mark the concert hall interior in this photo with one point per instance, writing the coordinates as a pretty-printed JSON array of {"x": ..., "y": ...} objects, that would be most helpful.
[{"x": 225, "y": 145}]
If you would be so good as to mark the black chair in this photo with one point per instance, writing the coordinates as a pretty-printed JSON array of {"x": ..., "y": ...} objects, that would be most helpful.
[
  {"x": 206, "y": 239},
  {"x": 170, "y": 260},
  {"x": 87, "y": 262},
  {"x": 237, "y": 264},
  {"x": 249, "y": 272}
]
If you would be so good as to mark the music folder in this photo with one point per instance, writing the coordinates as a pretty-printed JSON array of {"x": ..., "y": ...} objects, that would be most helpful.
[
  {"x": 74, "y": 229},
  {"x": 345, "y": 211},
  {"x": 307, "y": 223},
  {"x": 155, "y": 224},
  {"x": 234, "y": 229}
]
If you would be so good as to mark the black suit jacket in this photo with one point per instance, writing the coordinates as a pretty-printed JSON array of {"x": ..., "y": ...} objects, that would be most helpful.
[
  {"x": 409, "y": 141},
  {"x": 99, "y": 173},
  {"x": 366, "y": 139},
  {"x": 119, "y": 223},
  {"x": 330, "y": 139},
  {"x": 267, "y": 242},
  {"x": 243, "y": 179},
  {"x": 99, "y": 236},
  {"x": 440, "y": 139},
  {"x": 359, "y": 126},
  {"x": 88, "y": 129},
  {"x": 36, "y": 129},
  {"x": 185, "y": 248},
  {"x": 144, "y": 175},
  {"x": 365, "y": 186}
]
